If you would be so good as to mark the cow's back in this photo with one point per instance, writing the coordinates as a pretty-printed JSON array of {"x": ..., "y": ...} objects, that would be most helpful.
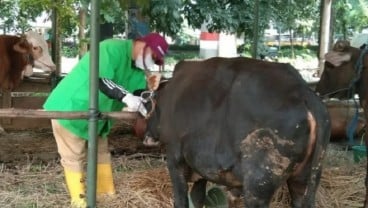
[
  {"x": 222, "y": 100},
  {"x": 234, "y": 89}
]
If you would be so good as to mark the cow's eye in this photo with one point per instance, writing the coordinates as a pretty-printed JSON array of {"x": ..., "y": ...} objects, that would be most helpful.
[{"x": 37, "y": 48}]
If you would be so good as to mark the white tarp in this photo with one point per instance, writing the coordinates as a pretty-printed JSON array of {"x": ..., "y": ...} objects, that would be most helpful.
[{"x": 359, "y": 39}]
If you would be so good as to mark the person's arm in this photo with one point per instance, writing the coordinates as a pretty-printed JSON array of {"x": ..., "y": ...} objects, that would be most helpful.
[{"x": 117, "y": 92}]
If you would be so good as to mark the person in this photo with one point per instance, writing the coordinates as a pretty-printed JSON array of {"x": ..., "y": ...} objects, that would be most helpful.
[{"x": 125, "y": 63}]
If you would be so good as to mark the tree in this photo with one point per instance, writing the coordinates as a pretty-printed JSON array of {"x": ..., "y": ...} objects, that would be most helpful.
[
  {"x": 7, "y": 15},
  {"x": 165, "y": 16},
  {"x": 351, "y": 16},
  {"x": 287, "y": 15}
]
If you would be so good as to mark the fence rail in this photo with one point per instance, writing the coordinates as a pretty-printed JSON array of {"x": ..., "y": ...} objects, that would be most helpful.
[{"x": 31, "y": 113}]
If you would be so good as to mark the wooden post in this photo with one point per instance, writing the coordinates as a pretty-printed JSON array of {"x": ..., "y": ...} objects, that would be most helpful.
[
  {"x": 324, "y": 33},
  {"x": 6, "y": 103},
  {"x": 38, "y": 113}
]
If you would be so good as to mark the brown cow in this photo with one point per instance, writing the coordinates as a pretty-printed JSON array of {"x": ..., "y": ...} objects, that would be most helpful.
[
  {"x": 346, "y": 74},
  {"x": 341, "y": 113},
  {"x": 19, "y": 54}
]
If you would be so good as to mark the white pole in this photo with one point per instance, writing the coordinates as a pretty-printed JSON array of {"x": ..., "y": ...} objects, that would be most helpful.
[{"x": 325, "y": 33}]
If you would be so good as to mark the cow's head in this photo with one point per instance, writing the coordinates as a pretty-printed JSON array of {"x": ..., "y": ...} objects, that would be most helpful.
[
  {"x": 149, "y": 127},
  {"x": 340, "y": 71},
  {"x": 40, "y": 52},
  {"x": 25, "y": 48}
]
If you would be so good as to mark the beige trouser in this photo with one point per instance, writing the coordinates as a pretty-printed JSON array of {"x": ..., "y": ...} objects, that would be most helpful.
[{"x": 72, "y": 149}]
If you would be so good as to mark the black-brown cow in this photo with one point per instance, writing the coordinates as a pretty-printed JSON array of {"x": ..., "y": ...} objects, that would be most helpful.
[
  {"x": 247, "y": 124},
  {"x": 346, "y": 73}
]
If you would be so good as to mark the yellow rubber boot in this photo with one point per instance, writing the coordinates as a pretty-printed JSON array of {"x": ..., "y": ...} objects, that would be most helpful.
[
  {"x": 75, "y": 183},
  {"x": 105, "y": 184}
]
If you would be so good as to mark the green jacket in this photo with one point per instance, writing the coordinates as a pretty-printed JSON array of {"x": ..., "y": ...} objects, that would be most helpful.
[{"x": 72, "y": 93}]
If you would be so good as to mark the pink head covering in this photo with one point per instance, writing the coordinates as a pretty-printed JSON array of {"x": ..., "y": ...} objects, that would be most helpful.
[{"x": 158, "y": 45}]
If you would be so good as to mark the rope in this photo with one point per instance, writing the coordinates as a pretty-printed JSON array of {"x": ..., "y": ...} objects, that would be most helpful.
[
  {"x": 351, "y": 127},
  {"x": 148, "y": 96},
  {"x": 333, "y": 92}
]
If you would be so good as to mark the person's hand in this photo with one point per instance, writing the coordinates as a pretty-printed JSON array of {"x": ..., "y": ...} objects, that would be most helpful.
[
  {"x": 134, "y": 104},
  {"x": 153, "y": 81}
]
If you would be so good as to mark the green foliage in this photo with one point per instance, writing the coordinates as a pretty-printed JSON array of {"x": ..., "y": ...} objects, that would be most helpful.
[
  {"x": 174, "y": 57},
  {"x": 15, "y": 15},
  {"x": 181, "y": 52},
  {"x": 306, "y": 52},
  {"x": 111, "y": 12},
  {"x": 184, "y": 48},
  {"x": 231, "y": 16},
  {"x": 301, "y": 51},
  {"x": 288, "y": 14},
  {"x": 165, "y": 16},
  {"x": 7, "y": 14},
  {"x": 351, "y": 16},
  {"x": 69, "y": 51},
  {"x": 126, "y": 4}
]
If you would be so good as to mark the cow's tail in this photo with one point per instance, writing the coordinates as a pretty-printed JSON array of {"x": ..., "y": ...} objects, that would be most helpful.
[{"x": 323, "y": 131}]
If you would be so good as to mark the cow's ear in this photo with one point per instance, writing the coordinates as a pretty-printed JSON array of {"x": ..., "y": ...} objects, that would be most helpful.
[
  {"x": 22, "y": 46},
  {"x": 337, "y": 58}
]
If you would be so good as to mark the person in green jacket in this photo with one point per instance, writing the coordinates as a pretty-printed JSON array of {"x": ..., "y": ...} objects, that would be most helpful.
[{"x": 123, "y": 62}]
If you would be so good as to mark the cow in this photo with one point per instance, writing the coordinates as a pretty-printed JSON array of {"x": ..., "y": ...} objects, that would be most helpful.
[
  {"x": 346, "y": 74},
  {"x": 18, "y": 55},
  {"x": 341, "y": 114},
  {"x": 247, "y": 124}
]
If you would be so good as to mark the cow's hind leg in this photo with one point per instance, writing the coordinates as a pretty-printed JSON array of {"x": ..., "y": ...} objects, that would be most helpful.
[
  {"x": 366, "y": 170},
  {"x": 259, "y": 186},
  {"x": 177, "y": 171},
  {"x": 198, "y": 193},
  {"x": 297, "y": 187},
  {"x": 263, "y": 166}
]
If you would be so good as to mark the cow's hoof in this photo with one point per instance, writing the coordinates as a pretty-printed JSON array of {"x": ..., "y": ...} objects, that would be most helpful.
[{"x": 150, "y": 142}]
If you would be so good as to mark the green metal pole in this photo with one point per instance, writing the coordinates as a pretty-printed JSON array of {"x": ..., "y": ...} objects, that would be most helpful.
[{"x": 93, "y": 110}]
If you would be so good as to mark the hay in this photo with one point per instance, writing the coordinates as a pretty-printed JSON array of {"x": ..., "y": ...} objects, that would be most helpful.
[
  {"x": 339, "y": 187},
  {"x": 144, "y": 182},
  {"x": 149, "y": 188}
]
